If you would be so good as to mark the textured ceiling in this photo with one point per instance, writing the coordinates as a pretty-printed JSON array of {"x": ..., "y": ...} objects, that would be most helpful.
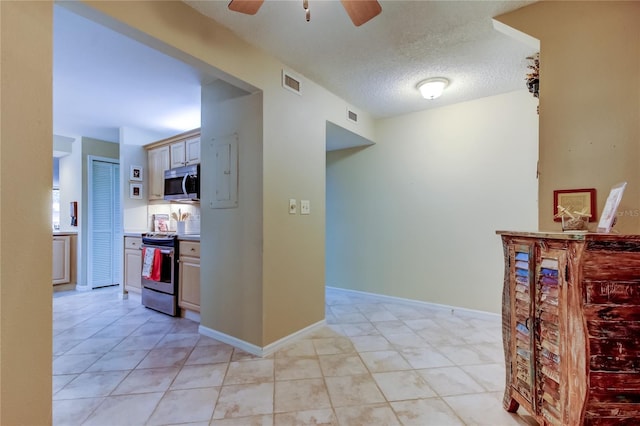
[
  {"x": 104, "y": 81},
  {"x": 377, "y": 66}
]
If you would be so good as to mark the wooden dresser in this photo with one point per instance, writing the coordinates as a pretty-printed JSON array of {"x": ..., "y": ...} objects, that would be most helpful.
[{"x": 571, "y": 327}]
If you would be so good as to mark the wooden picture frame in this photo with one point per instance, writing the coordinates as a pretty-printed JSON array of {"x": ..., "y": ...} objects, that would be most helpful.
[
  {"x": 135, "y": 191},
  {"x": 135, "y": 173},
  {"x": 575, "y": 200}
]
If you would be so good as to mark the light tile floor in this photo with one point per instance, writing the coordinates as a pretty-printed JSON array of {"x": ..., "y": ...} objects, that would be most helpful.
[{"x": 375, "y": 363}]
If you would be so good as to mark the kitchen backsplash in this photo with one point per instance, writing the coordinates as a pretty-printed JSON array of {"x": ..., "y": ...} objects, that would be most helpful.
[{"x": 192, "y": 224}]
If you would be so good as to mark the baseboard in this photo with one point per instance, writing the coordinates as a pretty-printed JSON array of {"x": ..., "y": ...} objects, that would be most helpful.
[
  {"x": 419, "y": 303},
  {"x": 279, "y": 344},
  {"x": 190, "y": 315},
  {"x": 64, "y": 287},
  {"x": 230, "y": 340},
  {"x": 254, "y": 349}
]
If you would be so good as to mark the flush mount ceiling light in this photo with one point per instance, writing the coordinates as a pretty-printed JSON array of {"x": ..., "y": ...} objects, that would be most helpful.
[{"x": 432, "y": 88}]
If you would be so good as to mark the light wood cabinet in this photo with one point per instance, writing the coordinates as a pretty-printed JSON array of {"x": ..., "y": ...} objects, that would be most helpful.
[
  {"x": 177, "y": 151},
  {"x": 189, "y": 276},
  {"x": 571, "y": 318},
  {"x": 185, "y": 152},
  {"x": 133, "y": 264},
  {"x": 61, "y": 259},
  {"x": 158, "y": 162}
]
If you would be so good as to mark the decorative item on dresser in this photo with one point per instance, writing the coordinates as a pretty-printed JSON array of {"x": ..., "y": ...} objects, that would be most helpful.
[{"x": 570, "y": 323}]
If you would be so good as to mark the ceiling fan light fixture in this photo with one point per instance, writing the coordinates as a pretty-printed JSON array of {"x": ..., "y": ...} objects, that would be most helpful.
[{"x": 432, "y": 88}]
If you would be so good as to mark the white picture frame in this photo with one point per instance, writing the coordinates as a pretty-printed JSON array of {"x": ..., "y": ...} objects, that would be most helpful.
[
  {"x": 610, "y": 211},
  {"x": 135, "y": 173},
  {"x": 135, "y": 191}
]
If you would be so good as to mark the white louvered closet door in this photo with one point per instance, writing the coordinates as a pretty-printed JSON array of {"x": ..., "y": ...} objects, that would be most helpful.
[{"x": 105, "y": 224}]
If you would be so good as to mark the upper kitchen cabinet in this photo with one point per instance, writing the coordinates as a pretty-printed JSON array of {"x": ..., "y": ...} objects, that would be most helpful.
[
  {"x": 185, "y": 153},
  {"x": 176, "y": 151},
  {"x": 159, "y": 161}
]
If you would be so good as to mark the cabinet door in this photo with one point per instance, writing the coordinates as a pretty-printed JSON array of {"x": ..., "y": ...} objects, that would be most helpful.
[
  {"x": 133, "y": 270},
  {"x": 158, "y": 159},
  {"x": 189, "y": 283},
  {"x": 178, "y": 157},
  {"x": 550, "y": 287},
  {"x": 521, "y": 261},
  {"x": 133, "y": 264},
  {"x": 61, "y": 259},
  {"x": 192, "y": 151}
]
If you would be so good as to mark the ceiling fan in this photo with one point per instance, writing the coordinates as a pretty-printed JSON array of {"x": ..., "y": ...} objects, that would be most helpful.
[{"x": 360, "y": 11}]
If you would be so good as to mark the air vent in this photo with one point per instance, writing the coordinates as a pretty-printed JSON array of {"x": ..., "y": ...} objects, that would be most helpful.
[
  {"x": 291, "y": 82},
  {"x": 352, "y": 116}
]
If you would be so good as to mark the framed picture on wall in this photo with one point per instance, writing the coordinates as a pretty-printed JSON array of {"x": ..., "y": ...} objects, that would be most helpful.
[
  {"x": 575, "y": 200},
  {"x": 135, "y": 191},
  {"x": 135, "y": 173}
]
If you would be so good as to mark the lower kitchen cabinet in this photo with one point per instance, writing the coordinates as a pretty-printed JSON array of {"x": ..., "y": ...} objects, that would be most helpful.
[
  {"x": 61, "y": 259},
  {"x": 189, "y": 276},
  {"x": 133, "y": 264}
]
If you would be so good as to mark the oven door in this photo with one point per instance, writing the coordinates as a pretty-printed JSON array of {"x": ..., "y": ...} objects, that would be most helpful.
[{"x": 158, "y": 268}]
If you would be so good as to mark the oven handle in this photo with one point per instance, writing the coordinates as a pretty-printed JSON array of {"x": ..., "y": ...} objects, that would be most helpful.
[
  {"x": 184, "y": 184},
  {"x": 163, "y": 251}
]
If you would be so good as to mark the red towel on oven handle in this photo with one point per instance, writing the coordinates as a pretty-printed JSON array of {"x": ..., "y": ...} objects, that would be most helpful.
[{"x": 157, "y": 265}]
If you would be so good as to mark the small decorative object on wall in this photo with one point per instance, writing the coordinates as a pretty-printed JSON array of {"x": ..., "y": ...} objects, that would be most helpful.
[
  {"x": 135, "y": 173},
  {"x": 608, "y": 218},
  {"x": 533, "y": 77},
  {"x": 135, "y": 191},
  {"x": 576, "y": 202}
]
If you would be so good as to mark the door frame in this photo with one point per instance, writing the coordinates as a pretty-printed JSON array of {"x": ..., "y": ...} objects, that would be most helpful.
[{"x": 89, "y": 251}]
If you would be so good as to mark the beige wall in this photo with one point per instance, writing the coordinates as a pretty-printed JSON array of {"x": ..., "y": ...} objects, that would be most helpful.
[
  {"x": 231, "y": 262},
  {"x": 25, "y": 212},
  {"x": 415, "y": 215},
  {"x": 589, "y": 100},
  {"x": 293, "y": 132}
]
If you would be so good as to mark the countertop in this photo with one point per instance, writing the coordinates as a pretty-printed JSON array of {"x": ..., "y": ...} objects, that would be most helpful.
[
  {"x": 55, "y": 233},
  {"x": 185, "y": 237}
]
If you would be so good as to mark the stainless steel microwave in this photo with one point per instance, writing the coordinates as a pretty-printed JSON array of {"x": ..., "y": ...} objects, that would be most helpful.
[{"x": 182, "y": 183}]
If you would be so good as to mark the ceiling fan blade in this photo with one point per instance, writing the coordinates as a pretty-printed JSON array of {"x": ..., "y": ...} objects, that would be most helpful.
[
  {"x": 250, "y": 7},
  {"x": 361, "y": 11}
]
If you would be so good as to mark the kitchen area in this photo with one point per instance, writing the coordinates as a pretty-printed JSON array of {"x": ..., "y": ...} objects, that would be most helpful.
[
  {"x": 153, "y": 248},
  {"x": 161, "y": 264}
]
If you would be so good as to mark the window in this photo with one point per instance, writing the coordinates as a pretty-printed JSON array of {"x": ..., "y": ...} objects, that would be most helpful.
[{"x": 55, "y": 209}]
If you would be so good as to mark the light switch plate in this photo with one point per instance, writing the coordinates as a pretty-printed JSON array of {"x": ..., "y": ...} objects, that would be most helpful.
[
  {"x": 305, "y": 207},
  {"x": 293, "y": 206}
]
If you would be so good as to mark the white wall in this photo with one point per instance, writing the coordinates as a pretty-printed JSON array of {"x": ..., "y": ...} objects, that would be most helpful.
[
  {"x": 415, "y": 215},
  {"x": 70, "y": 183},
  {"x": 134, "y": 211}
]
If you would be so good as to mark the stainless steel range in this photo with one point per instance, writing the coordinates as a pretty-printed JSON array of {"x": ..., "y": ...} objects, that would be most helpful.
[{"x": 160, "y": 272}]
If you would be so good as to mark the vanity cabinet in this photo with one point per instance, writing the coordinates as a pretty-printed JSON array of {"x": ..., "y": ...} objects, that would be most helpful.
[
  {"x": 133, "y": 264},
  {"x": 61, "y": 259},
  {"x": 189, "y": 276},
  {"x": 571, "y": 327}
]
